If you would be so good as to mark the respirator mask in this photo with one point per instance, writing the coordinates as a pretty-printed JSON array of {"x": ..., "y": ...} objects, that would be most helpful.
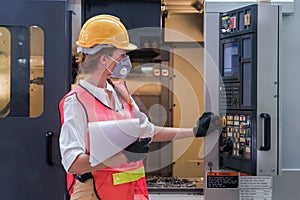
[{"x": 121, "y": 69}]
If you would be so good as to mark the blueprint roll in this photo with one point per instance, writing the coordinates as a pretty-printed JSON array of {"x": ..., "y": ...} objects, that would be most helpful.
[{"x": 108, "y": 138}]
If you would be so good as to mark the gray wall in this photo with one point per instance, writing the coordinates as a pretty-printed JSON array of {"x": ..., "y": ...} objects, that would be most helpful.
[
  {"x": 287, "y": 185},
  {"x": 290, "y": 92}
]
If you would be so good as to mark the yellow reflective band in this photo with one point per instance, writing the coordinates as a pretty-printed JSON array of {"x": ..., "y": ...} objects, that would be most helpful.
[{"x": 128, "y": 176}]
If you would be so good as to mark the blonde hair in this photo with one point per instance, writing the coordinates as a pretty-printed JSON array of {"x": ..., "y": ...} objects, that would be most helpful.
[
  {"x": 88, "y": 63},
  {"x": 125, "y": 96}
]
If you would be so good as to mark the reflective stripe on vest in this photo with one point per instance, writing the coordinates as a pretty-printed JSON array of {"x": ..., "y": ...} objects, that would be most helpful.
[{"x": 128, "y": 176}]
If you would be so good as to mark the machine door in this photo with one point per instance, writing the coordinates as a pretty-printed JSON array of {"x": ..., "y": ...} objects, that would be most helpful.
[{"x": 33, "y": 69}]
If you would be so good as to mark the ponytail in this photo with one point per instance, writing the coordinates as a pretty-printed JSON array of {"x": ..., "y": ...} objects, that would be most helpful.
[{"x": 125, "y": 96}]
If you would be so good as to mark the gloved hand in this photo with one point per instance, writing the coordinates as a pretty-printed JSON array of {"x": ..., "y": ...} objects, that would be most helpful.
[
  {"x": 206, "y": 124},
  {"x": 137, "y": 150},
  {"x": 227, "y": 146}
]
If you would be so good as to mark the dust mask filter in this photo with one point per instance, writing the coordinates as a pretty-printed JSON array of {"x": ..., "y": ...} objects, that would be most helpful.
[{"x": 122, "y": 68}]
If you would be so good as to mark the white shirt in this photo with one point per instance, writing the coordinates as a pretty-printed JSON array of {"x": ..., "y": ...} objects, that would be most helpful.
[{"x": 73, "y": 134}]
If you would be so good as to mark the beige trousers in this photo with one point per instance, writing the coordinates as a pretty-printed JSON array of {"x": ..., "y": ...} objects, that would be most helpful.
[{"x": 84, "y": 191}]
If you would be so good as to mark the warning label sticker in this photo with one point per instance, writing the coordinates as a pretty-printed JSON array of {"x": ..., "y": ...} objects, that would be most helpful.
[
  {"x": 259, "y": 182},
  {"x": 250, "y": 187},
  {"x": 255, "y": 187},
  {"x": 222, "y": 180}
]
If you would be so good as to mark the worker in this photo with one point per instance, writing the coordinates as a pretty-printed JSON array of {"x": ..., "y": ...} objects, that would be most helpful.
[{"x": 101, "y": 96}]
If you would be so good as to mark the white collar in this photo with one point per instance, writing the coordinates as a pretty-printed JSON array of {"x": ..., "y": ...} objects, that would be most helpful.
[
  {"x": 100, "y": 93},
  {"x": 92, "y": 88}
]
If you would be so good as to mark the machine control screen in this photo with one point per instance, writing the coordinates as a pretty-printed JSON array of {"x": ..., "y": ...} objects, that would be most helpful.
[{"x": 231, "y": 60}]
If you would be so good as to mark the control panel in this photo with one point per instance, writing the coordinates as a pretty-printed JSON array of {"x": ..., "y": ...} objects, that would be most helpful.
[
  {"x": 245, "y": 97},
  {"x": 237, "y": 135},
  {"x": 237, "y": 141}
]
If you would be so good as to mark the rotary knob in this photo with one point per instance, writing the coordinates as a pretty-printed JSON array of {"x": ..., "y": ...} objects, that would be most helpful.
[
  {"x": 241, "y": 151},
  {"x": 245, "y": 125}
]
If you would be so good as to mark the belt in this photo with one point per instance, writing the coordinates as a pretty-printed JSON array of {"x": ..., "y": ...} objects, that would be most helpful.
[{"x": 83, "y": 177}]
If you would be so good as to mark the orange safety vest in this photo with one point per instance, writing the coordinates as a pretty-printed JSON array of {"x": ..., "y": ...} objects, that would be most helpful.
[{"x": 120, "y": 182}]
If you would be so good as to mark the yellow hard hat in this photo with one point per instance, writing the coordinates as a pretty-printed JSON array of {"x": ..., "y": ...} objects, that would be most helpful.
[{"x": 104, "y": 29}]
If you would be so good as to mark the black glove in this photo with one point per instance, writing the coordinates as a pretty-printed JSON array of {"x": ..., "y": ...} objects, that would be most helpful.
[
  {"x": 206, "y": 124},
  {"x": 227, "y": 146},
  {"x": 137, "y": 150}
]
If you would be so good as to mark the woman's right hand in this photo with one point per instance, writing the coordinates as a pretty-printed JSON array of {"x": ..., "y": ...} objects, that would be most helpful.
[{"x": 137, "y": 150}]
